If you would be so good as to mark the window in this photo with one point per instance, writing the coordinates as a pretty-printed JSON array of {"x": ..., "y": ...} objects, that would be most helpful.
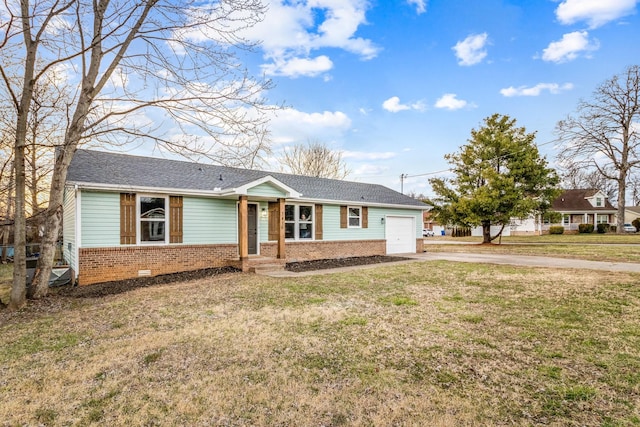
[
  {"x": 603, "y": 219},
  {"x": 298, "y": 222},
  {"x": 354, "y": 217},
  {"x": 153, "y": 219},
  {"x": 565, "y": 219},
  {"x": 599, "y": 201}
]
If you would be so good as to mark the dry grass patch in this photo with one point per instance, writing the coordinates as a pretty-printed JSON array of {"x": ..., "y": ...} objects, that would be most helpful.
[{"x": 414, "y": 344}]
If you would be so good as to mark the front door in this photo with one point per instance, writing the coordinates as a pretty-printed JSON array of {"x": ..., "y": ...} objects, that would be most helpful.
[{"x": 252, "y": 219}]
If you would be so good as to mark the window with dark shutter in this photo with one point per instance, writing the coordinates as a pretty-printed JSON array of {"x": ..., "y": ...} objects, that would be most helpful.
[
  {"x": 175, "y": 219},
  {"x": 318, "y": 225},
  {"x": 365, "y": 217},
  {"x": 343, "y": 217},
  {"x": 128, "y": 219},
  {"x": 274, "y": 215}
]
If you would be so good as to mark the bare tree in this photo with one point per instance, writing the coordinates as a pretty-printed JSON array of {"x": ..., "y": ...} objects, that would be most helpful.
[
  {"x": 314, "y": 159},
  {"x": 161, "y": 70},
  {"x": 605, "y": 134},
  {"x": 579, "y": 178}
]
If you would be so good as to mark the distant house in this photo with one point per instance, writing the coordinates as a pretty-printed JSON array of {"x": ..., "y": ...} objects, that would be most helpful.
[
  {"x": 128, "y": 216},
  {"x": 584, "y": 206},
  {"x": 631, "y": 213}
]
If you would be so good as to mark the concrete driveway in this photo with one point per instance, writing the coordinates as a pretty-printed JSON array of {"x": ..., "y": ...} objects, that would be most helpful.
[
  {"x": 528, "y": 261},
  {"x": 504, "y": 259}
]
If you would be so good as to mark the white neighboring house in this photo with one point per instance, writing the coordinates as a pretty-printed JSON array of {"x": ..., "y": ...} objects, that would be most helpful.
[
  {"x": 584, "y": 206},
  {"x": 531, "y": 226},
  {"x": 581, "y": 206}
]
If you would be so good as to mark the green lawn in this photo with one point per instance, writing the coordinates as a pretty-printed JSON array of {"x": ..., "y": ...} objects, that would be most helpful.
[{"x": 424, "y": 343}]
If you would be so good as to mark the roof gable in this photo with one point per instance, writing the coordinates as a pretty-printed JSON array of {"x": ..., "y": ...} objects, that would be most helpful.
[{"x": 581, "y": 200}]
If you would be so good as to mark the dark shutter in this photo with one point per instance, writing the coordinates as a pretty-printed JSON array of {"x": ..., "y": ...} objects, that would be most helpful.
[
  {"x": 318, "y": 225},
  {"x": 365, "y": 217},
  {"x": 343, "y": 217},
  {"x": 175, "y": 219},
  {"x": 128, "y": 219},
  {"x": 274, "y": 216}
]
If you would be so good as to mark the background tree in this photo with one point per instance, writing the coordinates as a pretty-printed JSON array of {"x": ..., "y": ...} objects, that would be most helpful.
[
  {"x": 157, "y": 70},
  {"x": 314, "y": 159},
  {"x": 575, "y": 178},
  {"x": 603, "y": 133},
  {"x": 499, "y": 175}
]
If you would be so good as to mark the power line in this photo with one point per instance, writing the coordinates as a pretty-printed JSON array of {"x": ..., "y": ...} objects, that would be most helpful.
[{"x": 404, "y": 175}]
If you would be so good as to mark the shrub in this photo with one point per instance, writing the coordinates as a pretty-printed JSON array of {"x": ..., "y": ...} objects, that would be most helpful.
[
  {"x": 636, "y": 223},
  {"x": 613, "y": 228},
  {"x": 603, "y": 228},
  {"x": 585, "y": 228},
  {"x": 556, "y": 229}
]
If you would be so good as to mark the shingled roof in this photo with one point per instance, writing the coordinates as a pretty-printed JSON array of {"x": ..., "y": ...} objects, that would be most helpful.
[
  {"x": 115, "y": 170},
  {"x": 576, "y": 200}
]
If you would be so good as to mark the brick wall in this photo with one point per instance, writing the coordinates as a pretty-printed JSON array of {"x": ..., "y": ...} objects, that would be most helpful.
[
  {"x": 108, "y": 264},
  {"x": 305, "y": 251}
]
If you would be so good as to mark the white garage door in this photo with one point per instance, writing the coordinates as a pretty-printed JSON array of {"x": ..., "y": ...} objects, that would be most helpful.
[{"x": 400, "y": 233}]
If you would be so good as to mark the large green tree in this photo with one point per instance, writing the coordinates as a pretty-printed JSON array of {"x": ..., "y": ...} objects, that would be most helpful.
[{"x": 498, "y": 175}]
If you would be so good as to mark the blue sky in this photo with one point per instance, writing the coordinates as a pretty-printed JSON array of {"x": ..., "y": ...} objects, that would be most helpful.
[{"x": 395, "y": 85}]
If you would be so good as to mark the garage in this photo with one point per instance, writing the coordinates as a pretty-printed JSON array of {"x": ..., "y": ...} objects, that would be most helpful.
[{"x": 400, "y": 233}]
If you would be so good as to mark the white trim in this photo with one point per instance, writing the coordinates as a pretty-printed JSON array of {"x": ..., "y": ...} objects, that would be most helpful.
[
  {"x": 139, "y": 242},
  {"x": 257, "y": 227},
  {"x": 359, "y": 217},
  {"x": 243, "y": 189},
  {"x": 296, "y": 222},
  {"x": 78, "y": 239}
]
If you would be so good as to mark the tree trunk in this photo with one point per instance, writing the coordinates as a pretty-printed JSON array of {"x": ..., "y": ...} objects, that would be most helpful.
[
  {"x": 53, "y": 220},
  {"x": 486, "y": 232},
  {"x": 622, "y": 199},
  {"x": 19, "y": 288}
]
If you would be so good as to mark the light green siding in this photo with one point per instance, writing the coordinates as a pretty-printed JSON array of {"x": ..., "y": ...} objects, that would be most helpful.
[
  {"x": 375, "y": 230},
  {"x": 209, "y": 221},
  {"x": 100, "y": 219},
  {"x": 266, "y": 190},
  {"x": 69, "y": 228}
]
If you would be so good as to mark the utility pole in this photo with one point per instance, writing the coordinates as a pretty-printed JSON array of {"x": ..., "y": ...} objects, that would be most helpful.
[{"x": 402, "y": 177}]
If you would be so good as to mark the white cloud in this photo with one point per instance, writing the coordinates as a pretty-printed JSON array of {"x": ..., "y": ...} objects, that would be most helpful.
[
  {"x": 421, "y": 5},
  {"x": 595, "y": 12},
  {"x": 368, "y": 170},
  {"x": 393, "y": 105},
  {"x": 296, "y": 67},
  {"x": 471, "y": 50},
  {"x": 569, "y": 47},
  {"x": 449, "y": 101},
  {"x": 536, "y": 90},
  {"x": 290, "y": 125},
  {"x": 367, "y": 155},
  {"x": 293, "y": 29}
]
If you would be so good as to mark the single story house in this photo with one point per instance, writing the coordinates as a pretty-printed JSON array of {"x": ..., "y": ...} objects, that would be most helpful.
[
  {"x": 584, "y": 206},
  {"x": 127, "y": 216}
]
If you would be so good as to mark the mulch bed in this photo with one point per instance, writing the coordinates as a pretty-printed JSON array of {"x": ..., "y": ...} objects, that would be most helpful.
[
  {"x": 323, "y": 264},
  {"x": 117, "y": 287},
  {"x": 110, "y": 288}
]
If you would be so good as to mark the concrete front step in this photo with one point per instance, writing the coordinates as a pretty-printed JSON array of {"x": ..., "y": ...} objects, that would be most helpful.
[{"x": 261, "y": 265}]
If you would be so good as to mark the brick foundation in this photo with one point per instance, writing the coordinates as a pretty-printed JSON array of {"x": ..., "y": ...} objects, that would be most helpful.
[
  {"x": 127, "y": 262},
  {"x": 107, "y": 264},
  {"x": 306, "y": 251}
]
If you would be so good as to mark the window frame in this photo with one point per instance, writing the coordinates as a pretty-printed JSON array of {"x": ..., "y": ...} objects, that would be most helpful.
[
  {"x": 359, "y": 217},
  {"x": 599, "y": 203},
  {"x": 297, "y": 222},
  {"x": 140, "y": 220}
]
